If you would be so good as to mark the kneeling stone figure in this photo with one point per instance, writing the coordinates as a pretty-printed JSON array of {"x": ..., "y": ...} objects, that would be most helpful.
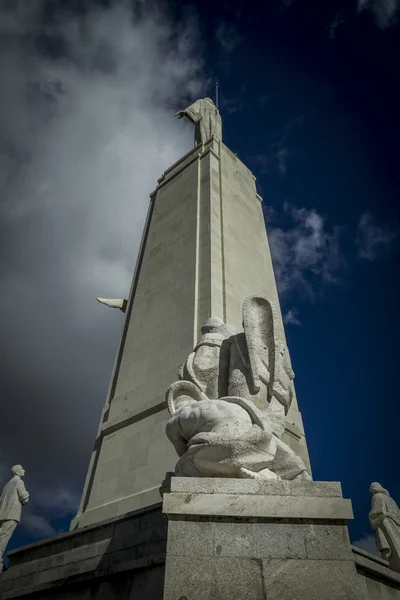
[{"x": 229, "y": 436}]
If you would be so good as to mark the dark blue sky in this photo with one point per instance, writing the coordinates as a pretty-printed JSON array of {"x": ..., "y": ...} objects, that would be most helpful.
[
  {"x": 329, "y": 96},
  {"x": 309, "y": 96}
]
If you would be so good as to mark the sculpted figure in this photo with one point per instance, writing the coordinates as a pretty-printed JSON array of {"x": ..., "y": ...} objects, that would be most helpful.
[
  {"x": 13, "y": 497},
  {"x": 228, "y": 437},
  {"x": 260, "y": 368},
  {"x": 228, "y": 411},
  {"x": 385, "y": 521},
  {"x": 205, "y": 116},
  {"x": 208, "y": 365}
]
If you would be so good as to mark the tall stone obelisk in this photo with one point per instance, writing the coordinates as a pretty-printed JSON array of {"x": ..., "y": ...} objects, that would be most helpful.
[{"x": 204, "y": 250}]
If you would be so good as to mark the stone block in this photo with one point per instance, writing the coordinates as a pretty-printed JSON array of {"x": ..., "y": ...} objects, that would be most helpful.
[
  {"x": 260, "y": 540},
  {"x": 310, "y": 580},
  {"x": 209, "y": 485},
  {"x": 375, "y": 566},
  {"x": 220, "y": 579},
  {"x": 146, "y": 584},
  {"x": 121, "y": 556},
  {"x": 154, "y": 548},
  {"x": 257, "y": 506},
  {"x": 188, "y": 538},
  {"x": 328, "y": 542}
]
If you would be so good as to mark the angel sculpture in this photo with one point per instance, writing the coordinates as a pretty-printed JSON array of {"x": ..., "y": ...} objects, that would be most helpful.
[{"x": 228, "y": 410}]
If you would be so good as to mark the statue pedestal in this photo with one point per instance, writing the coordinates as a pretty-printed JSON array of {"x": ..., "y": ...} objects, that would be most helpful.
[{"x": 236, "y": 539}]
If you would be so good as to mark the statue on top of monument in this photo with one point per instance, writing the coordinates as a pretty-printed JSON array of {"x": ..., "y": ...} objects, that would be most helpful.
[
  {"x": 384, "y": 519},
  {"x": 13, "y": 497},
  {"x": 228, "y": 409},
  {"x": 205, "y": 116}
]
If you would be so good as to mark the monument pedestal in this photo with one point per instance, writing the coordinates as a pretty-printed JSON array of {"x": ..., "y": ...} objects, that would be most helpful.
[{"x": 236, "y": 539}]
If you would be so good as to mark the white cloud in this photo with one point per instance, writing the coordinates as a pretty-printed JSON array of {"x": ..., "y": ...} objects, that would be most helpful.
[
  {"x": 36, "y": 525},
  {"x": 44, "y": 507},
  {"x": 87, "y": 125},
  {"x": 367, "y": 543},
  {"x": 306, "y": 257},
  {"x": 384, "y": 11},
  {"x": 292, "y": 317},
  {"x": 372, "y": 238}
]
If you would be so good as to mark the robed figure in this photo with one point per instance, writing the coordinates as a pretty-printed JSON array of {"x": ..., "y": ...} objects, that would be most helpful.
[
  {"x": 205, "y": 116},
  {"x": 385, "y": 520}
]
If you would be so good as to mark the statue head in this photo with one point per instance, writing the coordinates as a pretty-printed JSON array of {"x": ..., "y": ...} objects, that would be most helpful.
[
  {"x": 212, "y": 324},
  {"x": 18, "y": 470},
  {"x": 376, "y": 488}
]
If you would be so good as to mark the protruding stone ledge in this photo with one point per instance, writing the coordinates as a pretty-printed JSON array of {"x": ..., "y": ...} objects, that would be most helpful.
[
  {"x": 257, "y": 506},
  {"x": 219, "y": 485}
]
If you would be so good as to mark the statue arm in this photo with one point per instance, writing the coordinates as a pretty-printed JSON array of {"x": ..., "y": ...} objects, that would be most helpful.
[
  {"x": 378, "y": 512},
  {"x": 23, "y": 495},
  {"x": 191, "y": 112},
  {"x": 173, "y": 434}
]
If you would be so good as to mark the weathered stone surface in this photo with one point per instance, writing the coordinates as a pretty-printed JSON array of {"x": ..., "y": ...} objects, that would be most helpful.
[
  {"x": 328, "y": 542},
  {"x": 294, "y": 548},
  {"x": 221, "y": 579},
  {"x": 218, "y": 485},
  {"x": 311, "y": 580},
  {"x": 251, "y": 506},
  {"x": 186, "y": 538},
  {"x": 260, "y": 540},
  {"x": 369, "y": 563},
  {"x": 131, "y": 544}
]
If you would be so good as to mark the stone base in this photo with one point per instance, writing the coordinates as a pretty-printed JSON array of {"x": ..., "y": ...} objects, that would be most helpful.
[
  {"x": 246, "y": 539},
  {"x": 118, "y": 559}
]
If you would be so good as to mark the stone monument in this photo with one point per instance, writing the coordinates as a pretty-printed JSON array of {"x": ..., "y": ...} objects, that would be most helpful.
[
  {"x": 241, "y": 517},
  {"x": 191, "y": 266},
  {"x": 228, "y": 410},
  {"x": 384, "y": 518},
  {"x": 241, "y": 502},
  {"x": 13, "y": 497}
]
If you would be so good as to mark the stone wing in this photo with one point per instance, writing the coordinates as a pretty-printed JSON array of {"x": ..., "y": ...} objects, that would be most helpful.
[{"x": 259, "y": 323}]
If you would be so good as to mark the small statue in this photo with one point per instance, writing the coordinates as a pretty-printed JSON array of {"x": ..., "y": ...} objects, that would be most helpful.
[
  {"x": 205, "y": 116},
  {"x": 228, "y": 409},
  {"x": 385, "y": 521},
  {"x": 13, "y": 497}
]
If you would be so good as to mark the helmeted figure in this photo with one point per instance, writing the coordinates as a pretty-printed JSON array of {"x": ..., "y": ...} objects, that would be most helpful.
[
  {"x": 205, "y": 116},
  {"x": 228, "y": 411},
  {"x": 13, "y": 497},
  {"x": 208, "y": 365},
  {"x": 384, "y": 518}
]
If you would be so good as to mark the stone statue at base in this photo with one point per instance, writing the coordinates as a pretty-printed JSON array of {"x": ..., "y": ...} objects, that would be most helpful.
[
  {"x": 384, "y": 518},
  {"x": 205, "y": 116},
  {"x": 228, "y": 410},
  {"x": 13, "y": 497}
]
